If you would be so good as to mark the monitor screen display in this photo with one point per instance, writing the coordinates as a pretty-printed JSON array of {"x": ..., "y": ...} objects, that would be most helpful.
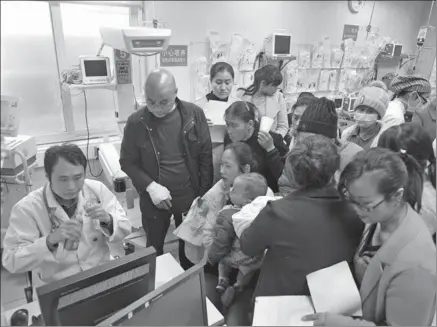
[
  {"x": 282, "y": 45},
  {"x": 93, "y": 295},
  {"x": 183, "y": 302},
  {"x": 95, "y": 68}
]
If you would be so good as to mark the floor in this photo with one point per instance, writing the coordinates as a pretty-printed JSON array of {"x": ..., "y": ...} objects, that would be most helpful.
[{"x": 12, "y": 286}]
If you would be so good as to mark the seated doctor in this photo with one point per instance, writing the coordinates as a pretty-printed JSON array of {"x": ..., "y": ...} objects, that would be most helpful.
[{"x": 64, "y": 227}]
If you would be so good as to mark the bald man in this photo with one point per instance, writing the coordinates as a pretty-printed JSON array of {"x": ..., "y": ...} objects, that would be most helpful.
[{"x": 167, "y": 153}]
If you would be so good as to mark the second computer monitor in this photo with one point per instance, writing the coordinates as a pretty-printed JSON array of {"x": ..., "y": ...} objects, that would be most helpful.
[{"x": 180, "y": 302}]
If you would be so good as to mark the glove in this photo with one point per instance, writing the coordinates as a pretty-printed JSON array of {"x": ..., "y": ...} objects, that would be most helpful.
[{"x": 158, "y": 193}]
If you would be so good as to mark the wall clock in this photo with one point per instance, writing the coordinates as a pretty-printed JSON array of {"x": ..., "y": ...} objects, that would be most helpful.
[{"x": 355, "y": 6}]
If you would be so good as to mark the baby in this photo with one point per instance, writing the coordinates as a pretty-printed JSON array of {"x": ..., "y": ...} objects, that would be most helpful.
[{"x": 225, "y": 248}]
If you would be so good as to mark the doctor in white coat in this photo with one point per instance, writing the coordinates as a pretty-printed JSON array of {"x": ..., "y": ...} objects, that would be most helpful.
[{"x": 64, "y": 227}]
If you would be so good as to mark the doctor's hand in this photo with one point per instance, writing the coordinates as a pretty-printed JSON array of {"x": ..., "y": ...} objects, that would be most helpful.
[
  {"x": 266, "y": 141},
  {"x": 160, "y": 196},
  {"x": 96, "y": 211},
  {"x": 69, "y": 230}
]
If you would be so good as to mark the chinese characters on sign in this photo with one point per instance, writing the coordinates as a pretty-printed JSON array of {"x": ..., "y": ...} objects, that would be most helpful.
[
  {"x": 350, "y": 32},
  {"x": 175, "y": 55}
]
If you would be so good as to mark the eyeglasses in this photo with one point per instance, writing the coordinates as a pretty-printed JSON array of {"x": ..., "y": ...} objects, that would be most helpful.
[
  {"x": 359, "y": 205},
  {"x": 425, "y": 101}
]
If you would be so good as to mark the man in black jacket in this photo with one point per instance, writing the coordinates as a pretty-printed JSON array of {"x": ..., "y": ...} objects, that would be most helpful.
[{"x": 167, "y": 153}]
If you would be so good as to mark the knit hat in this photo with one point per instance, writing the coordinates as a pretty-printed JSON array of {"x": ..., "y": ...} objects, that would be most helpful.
[
  {"x": 320, "y": 117},
  {"x": 410, "y": 83},
  {"x": 373, "y": 97},
  {"x": 379, "y": 84}
]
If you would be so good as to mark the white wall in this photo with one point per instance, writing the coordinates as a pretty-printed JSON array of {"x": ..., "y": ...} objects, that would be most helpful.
[{"x": 308, "y": 21}]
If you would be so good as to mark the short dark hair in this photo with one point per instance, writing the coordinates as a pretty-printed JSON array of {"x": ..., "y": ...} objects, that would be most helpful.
[
  {"x": 69, "y": 152},
  {"x": 312, "y": 163},
  {"x": 244, "y": 155},
  {"x": 304, "y": 95},
  {"x": 255, "y": 185},
  {"x": 220, "y": 67},
  {"x": 397, "y": 170}
]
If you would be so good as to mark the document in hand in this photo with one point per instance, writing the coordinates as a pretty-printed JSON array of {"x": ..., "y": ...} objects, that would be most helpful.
[
  {"x": 333, "y": 290},
  {"x": 282, "y": 311},
  {"x": 215, "y": 111}
]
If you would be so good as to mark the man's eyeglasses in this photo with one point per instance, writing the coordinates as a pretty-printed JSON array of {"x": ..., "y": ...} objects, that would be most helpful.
[{"x": 365, "y": 208}]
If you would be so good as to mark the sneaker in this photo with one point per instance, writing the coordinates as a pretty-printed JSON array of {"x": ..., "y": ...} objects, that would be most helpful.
[{"x": 222, "y": 285}]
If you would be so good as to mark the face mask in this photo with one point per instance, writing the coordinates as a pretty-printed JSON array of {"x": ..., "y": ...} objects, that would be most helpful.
[{"x": 364, "y": 119}]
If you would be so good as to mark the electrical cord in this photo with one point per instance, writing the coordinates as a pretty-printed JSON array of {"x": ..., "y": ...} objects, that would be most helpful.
[
  {"x": 88, "y": 136},
  {"x": 282, "y": 67}
]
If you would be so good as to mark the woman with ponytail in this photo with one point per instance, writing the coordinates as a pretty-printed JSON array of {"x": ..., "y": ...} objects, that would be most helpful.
[
  {"x": 395, "y": 264},
  {"x": 264, "y": 94},
  {"x": 413, "y": 140},
  {"x": 242, "y": 124}
]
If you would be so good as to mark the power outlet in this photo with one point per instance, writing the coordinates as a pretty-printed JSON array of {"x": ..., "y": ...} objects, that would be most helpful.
[{"x": 96, "y": 152}]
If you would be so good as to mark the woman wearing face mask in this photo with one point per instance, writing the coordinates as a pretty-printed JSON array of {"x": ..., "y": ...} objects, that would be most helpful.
[
  {"x": 370, "y": 106},
  {"x": 414, "y": 140},
  {"x": 242, "y": 125},
  {"x": 222, "y": 81},
  {"x": 410, "y": 93},
  {"x": 395, "y": 265},
  {"x": 264, "y": 94}
]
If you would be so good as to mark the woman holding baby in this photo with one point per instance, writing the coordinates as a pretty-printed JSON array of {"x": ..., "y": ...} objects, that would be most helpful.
[{"x": 248, "y": 149}]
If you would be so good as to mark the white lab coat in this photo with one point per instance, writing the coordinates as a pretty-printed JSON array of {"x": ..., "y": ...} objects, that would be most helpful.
[{"x": 25, "y": 246}]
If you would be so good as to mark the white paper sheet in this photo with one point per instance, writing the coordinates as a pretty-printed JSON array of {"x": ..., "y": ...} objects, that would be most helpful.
[
  {"x": 215, "y": 110},
  {"x": 333, "y": 290},
  {"x": 282, "y": 311}
]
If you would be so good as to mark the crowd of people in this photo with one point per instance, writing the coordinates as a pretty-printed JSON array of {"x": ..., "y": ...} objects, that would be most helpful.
[{"x": 266, "y": 208}]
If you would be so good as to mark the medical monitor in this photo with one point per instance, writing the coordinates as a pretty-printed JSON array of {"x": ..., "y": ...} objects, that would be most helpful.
[
  {"x": 95, "y": 70},
  {"x": 89, "y": 297},
  {"x": 180, "y": 302},
  {"x": 281, "y": 45}
]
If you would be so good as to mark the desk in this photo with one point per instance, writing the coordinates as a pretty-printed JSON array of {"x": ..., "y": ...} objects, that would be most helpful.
[{"x": 167, "y": 268}]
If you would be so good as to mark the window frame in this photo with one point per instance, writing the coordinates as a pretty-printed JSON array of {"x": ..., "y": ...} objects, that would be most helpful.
[{"x": 136, "y": 15}]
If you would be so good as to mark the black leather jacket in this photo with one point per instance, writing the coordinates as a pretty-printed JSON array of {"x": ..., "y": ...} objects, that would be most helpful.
[{"x": 139, "y": 158}]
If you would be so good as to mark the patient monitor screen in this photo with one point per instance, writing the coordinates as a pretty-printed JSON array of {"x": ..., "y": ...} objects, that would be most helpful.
[
  {"x": 95, "y": 68},
  {"x": 282, "y": 45},
  {"x": 179, "y": 306}
]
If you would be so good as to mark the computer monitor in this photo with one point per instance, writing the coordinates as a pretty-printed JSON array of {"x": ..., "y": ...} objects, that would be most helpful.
[
  {"x": 87, "y": 298},
  {"x": 180, "y": 302},
  {"x": 281, "y": 44}
]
